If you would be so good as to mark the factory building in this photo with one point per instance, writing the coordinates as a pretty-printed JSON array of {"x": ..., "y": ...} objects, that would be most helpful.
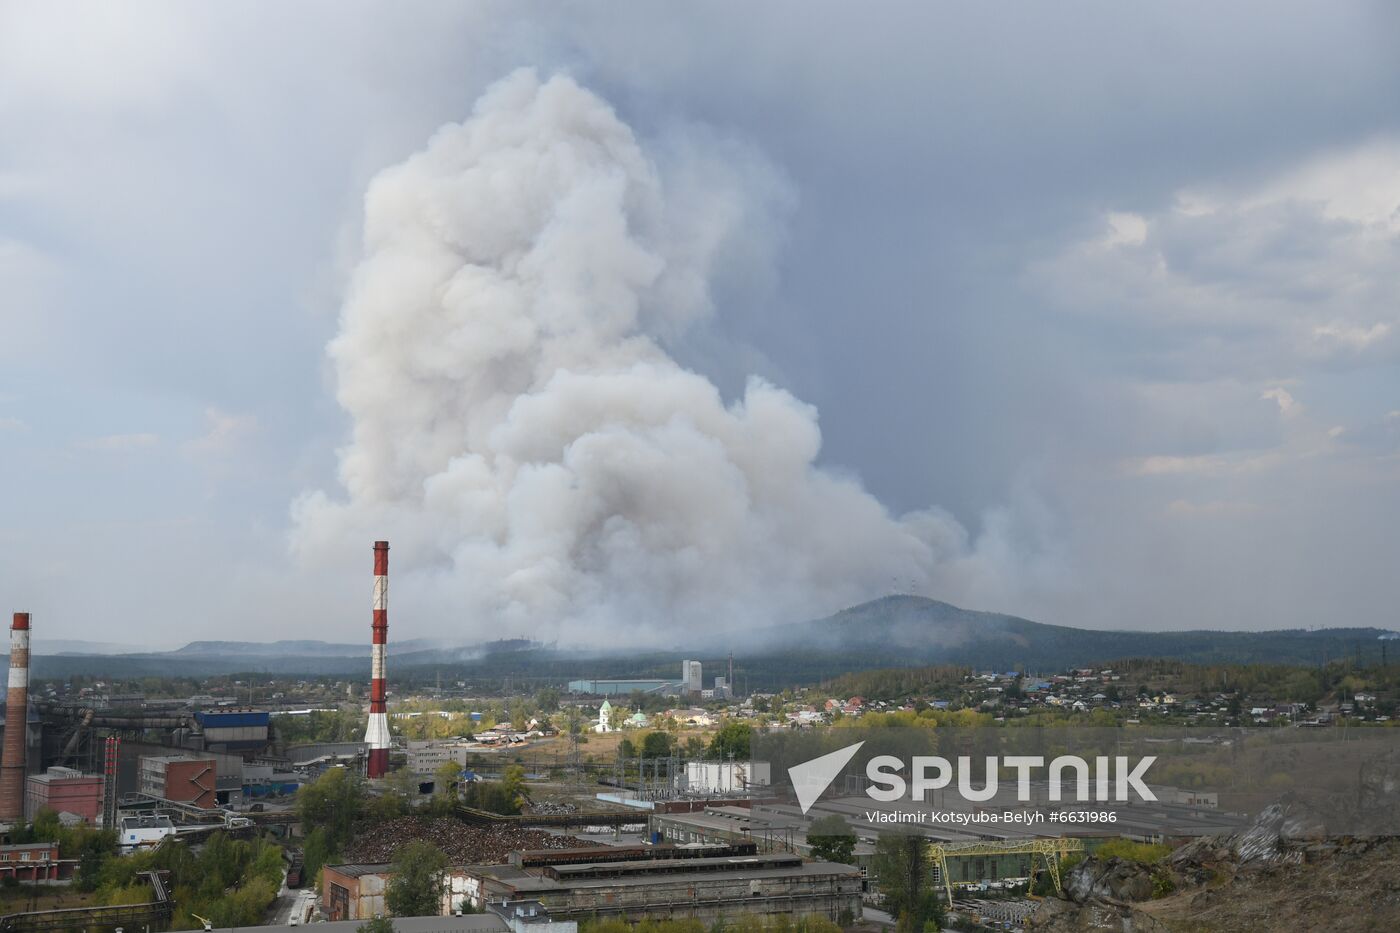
[
  {"x": 709, "y": 889},
  {"x": 267, "y": 781},
  {"x": 727, "y": 777},
  {"x": 692, "y": 678},
  {"x": 315, "y": 758},
  {"x": 425, "y": 756},
  {"x": 228, "y": 768},
  {"x": 234, "y": 730},
  {"x": 32, "y": 861},
  {"x": 612, "y": 688},
  {"x": 472, "y": 923},
  {"x": 624, "y": 882},
  {"x": 354, "y": 892},
  {"x": 64, "y": 790},
  {"x": 136, "y": 832},
  {"x": 181, "y": 778}
]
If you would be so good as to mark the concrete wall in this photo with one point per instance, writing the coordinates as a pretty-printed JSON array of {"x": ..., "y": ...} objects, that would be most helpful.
[{"x": 460, "y": 886}]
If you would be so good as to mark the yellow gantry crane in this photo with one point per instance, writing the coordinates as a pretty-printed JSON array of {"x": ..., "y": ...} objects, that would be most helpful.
[{"x": 1049, "y": 850}]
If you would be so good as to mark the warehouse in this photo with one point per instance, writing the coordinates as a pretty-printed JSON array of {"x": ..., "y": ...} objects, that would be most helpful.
[
  {"x": 612, "y": 688},
  {"x": 707, "y": 889},
  {"x": 234, "y": 730},
  {"x": 474, "y": 923},
  {"x": 628, "y": 882}
]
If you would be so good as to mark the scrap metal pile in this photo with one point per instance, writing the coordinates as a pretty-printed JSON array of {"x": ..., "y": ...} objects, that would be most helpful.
[
  {"x": 551, "y": 808},
  {"x": 463, "y": 844}
]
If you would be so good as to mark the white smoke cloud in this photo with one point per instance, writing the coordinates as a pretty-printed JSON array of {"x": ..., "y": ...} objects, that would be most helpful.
[{"x": 539, "y": 461}]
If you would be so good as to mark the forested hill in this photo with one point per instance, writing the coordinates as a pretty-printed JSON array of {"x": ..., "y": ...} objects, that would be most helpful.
[
  {"x": 906, "y": 630},
  {"x": 895, "y": 631}
]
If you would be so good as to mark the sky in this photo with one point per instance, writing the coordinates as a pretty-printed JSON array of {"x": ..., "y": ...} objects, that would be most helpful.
[{"x": 1090, "y": 315}]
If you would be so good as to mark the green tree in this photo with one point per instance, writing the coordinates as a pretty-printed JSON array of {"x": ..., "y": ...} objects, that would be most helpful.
[
  {"x": 901, "y": 864},
  {"x": 390, "y": 805},
  {"x": 231, "y": 882},
  {"x": 513, "y": 785},
  {"x": 316, "y": 851},
  {"x": 503, "y": 797},
  {"x": 446, "y": 776},
  {"x": 403, "y": 782},
  {"x": 732, "y": 739},
  {"x": 46, "y": 825},
  {"x": 657, "y": 745},
  {"x": 547, "y": 700},
  {"x": 90, "y": 861},
  {"x": 832, "y": 840},
  {"x": 333, "y": 802},
  {"x": 415, "y": 890},
  {"x": 627, "y": 749},
  {"x": 377, "y": 925}
]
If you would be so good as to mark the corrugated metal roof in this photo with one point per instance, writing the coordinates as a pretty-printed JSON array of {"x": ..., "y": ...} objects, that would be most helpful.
[
  {"x": 356, "y": 869},
  {"x": 468, "y": 923}
]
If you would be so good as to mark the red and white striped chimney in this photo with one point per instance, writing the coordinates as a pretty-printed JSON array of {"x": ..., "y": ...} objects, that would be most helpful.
[
  {"x": 377, "y": 732},
  {"x": 16, "y": 723}
]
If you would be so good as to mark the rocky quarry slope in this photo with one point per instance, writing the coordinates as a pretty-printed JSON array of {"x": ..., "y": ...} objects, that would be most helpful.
[{"x": 1282, "y": 873}]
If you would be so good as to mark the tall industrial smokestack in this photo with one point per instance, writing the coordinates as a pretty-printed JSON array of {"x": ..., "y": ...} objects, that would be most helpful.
[
  {"x": 377, "y": 733},
  {"x": 16, "y": 723}
]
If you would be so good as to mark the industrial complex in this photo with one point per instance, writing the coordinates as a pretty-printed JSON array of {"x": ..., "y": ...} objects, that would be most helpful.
[
  {"x": 678, "y": 830},
  {"x": 691, "y": 684},
  {"x": 93, "y": 759},
  {"x": 157, "y": 772}
]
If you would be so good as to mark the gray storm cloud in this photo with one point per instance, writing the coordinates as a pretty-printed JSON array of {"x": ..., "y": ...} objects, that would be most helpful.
[{"x": 539, "y": 460}]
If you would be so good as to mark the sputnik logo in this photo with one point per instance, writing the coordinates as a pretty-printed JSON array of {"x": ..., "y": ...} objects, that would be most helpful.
[
  {"x": 811, "y": 778},
  {"x": 930, "y": 772}
]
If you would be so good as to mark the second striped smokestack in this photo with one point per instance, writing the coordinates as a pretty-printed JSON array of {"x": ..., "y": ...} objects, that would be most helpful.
[
  {"x": 377, "y": 732},
  {"x": 16, "y": 723}
]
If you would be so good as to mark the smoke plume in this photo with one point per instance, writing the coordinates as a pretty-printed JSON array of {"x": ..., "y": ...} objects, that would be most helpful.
[{"x": 539, "y": 460}]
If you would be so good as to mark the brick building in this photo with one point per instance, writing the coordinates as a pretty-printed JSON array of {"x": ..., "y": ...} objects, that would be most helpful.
[
  {"x": 354, "y": 892},
  {"x": 33, "y": 861},
  {"x": 181, "y": 778},
  {"x": 64, "y": 790}
]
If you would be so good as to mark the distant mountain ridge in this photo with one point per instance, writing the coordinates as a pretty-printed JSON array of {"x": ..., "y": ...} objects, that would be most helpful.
[
  {"x": 257, "y": 649},
  {"x": 904, "y": 630},
  {"x": 82, "y": 646},
  {"x": 893, "y": 631}
]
